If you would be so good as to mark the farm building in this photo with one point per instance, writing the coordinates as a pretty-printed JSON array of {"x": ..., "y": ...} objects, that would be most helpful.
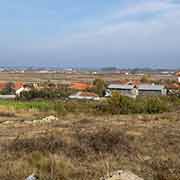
[
  {"x": 126, "y": 90},
  {"x": 135, "y": 90},
  {"x": 151, "y": 89}
]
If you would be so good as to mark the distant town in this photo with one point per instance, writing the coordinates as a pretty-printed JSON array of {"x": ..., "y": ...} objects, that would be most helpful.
[
  {"x": 81, "y": 83},
  {"x": 126, "y": 71}
]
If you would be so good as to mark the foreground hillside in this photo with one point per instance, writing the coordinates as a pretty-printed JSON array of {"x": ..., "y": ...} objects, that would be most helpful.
[{"x": 86, "y": 147}]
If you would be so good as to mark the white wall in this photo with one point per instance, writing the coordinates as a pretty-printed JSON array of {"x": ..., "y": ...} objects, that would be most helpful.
[{"x": 179, "y": 79}]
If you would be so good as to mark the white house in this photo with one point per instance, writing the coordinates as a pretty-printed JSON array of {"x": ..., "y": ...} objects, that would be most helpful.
[{"x": 22, "y": 89}]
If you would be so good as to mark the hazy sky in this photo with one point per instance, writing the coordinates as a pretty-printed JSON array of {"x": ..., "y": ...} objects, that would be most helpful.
[{"x": 92, "y": 33}]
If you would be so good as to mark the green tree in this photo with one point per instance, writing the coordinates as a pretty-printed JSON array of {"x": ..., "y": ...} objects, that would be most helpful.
[
  {"x": 145, "y": 78},
  {"x": 8, "y": 89},
  {"x": 119, "y": 104},
  {"x": 99, "y": 87},
  {"x": 155, "y": 105}
]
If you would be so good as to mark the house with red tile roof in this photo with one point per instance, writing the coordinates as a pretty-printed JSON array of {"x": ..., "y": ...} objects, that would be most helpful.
[
  {"x": 16, "y": 85},
  {"x": 178, "y": 74},
  {"x": 174, "y": 86},
  {"x": 174, "y": 89},
  {"x": 2, "y": 85},
  {"x": 80, "y": 86}
]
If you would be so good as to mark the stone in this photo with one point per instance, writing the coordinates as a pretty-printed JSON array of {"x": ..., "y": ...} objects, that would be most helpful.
[
  {"x": 121, "y": 175},
  {"x": 32, "y": 177},
  {"x": 8, "y": 122},
  {"x": 48, "y": 119}
]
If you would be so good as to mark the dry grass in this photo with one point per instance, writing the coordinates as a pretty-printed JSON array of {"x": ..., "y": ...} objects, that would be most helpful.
[{"x": 78, "y": 147}]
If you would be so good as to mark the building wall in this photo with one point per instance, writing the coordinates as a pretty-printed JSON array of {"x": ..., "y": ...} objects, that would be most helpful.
[
  {"x": 122, "y": 91},
  {"x": 135, "y": 92},
  {"x": 149, "y": 93}
]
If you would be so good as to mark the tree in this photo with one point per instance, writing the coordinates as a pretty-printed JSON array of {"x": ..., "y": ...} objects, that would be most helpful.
[
  {"x": 145, "y": 78},
  {"x": 8, "y": 89},
  {"x": 99, "y": 87},
  {"x": 119, "y": 104}
]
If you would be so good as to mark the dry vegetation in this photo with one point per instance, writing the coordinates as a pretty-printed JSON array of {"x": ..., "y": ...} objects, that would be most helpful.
[{"x": 81, "y": 147}]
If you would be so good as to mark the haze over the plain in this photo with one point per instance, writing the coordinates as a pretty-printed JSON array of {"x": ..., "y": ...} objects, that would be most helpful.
[{"x": 123, "y": 33}]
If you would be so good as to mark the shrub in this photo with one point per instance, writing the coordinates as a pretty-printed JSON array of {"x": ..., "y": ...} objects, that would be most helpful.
[
  {"x": 165, "y": 170},
  {"x": 119, "y": 104},
  {"x": 42, "y": 144},
  {"x": 155, "y": 105},
  {"x": 145, "y": 78},
  {"x": 105, "y": 140},
  {"x": 46, "y": 93},
  {"x": 50, "y": 166},
  {"x": 59, "y": 108}
]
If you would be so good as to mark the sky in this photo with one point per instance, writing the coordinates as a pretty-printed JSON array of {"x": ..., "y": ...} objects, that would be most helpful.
[{"x": 94, "y": 33}]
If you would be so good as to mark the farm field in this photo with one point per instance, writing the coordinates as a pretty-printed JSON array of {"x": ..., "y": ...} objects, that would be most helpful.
[{"x": 61, "y": 77}]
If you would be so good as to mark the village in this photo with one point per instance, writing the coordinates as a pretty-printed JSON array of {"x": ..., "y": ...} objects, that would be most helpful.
[{"x": 96, "y": 89}]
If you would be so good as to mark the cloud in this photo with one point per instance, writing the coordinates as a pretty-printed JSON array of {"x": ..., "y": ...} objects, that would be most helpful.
[
  {"x": 154, "y": 42},
  {"x": 146, "y": 7}
]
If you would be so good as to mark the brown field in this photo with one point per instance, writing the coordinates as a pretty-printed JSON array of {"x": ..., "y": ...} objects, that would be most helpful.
[
  {"x": 61, "y": 77},
  {"x": 81, "y": 147}
]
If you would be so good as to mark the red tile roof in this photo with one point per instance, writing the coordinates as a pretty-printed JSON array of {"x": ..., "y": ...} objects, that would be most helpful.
[
  {"x": 135, "y": 82},
  {"x": 173, "y": 86},
  {"x": 2, "y": 85},
  {"x": 178, "y": 74},
  {"x": 125, "y": 81},
  {"x": 16, "y": 85},
  {"x": 80, "y": 86}
]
